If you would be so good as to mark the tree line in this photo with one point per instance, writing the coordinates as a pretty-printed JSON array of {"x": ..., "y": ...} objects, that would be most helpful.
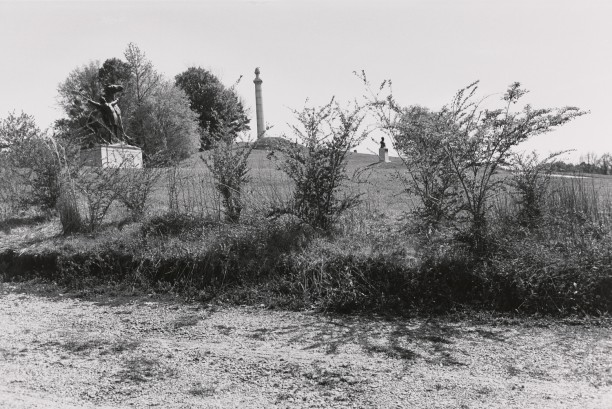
[{"x": 589, "y": 163}]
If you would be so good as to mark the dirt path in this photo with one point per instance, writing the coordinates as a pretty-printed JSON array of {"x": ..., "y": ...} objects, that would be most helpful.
[{"x": 58, "y": 352}]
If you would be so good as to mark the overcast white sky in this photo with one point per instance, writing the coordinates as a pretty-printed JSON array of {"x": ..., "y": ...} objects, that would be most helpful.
[{"x": 560, "y": 50}]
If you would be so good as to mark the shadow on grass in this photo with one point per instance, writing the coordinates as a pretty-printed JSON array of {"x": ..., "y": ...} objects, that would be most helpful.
[
  {"x": 113, "y": 295},
  {"x": 7, "y": 225}
]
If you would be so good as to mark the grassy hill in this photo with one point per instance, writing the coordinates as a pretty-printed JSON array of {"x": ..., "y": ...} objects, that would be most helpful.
[{"x": 382, "y": 190}]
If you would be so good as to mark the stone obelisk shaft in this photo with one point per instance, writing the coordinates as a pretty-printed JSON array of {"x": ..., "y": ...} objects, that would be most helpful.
[{"x": 259, "y": 105}]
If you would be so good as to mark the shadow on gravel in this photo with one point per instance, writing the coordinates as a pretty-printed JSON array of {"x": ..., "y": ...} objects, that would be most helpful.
[{"x": 430, "y": 340}]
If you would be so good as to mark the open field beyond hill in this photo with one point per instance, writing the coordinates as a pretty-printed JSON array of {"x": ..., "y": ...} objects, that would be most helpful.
[{"x": 115, "y": 352}]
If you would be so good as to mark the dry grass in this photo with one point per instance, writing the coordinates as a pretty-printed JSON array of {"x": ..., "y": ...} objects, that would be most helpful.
[{"x": 189, "y": 188}]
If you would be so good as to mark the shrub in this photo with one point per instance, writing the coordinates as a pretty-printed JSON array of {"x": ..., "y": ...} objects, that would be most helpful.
[
  {"x": 474, "y": 144},
  {"x": 134, "y": 189},
  {"x": 11, "y": 192},
  {"x": 534, "y": 276},
  {"x": 418, "y": 136},
  {"x": 98, "y": 187},
  {"x": 531, "y": 180},
  {"x": 173, "y": 224},
  {"x": 68, "y": 209},
  {"x": 33, "y": 158},
  {"x": 229, "y": 167},
  {"x": 317, "y": 166}
]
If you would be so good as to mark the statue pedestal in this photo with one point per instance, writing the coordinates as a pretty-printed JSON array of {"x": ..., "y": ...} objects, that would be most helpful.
[
  {"x": 383, "y": 155},
  {"x": 117, "y": 155}
]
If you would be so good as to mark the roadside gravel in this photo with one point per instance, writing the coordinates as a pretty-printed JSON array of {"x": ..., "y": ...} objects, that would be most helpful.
[{"x": 62, "y": 352}]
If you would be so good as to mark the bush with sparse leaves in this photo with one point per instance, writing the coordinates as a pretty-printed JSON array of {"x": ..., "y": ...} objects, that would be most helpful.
[
  {"x": 475, "y": 143},
  {"x": 316, "y": 163},
  {"x": 228, "y": 163}
]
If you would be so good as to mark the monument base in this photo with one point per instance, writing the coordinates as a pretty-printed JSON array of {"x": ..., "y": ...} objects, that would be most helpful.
[
  {"x": 383, "y": 155},
  {"x": 117, "y": 155}
]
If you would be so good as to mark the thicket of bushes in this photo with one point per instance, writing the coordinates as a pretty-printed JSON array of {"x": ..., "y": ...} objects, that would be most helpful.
[
  {"x": 281, "y": 263},
  {"x": 537, "y": 248}
]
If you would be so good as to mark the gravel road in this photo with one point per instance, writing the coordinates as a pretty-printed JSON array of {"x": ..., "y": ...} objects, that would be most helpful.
[{"x": 62, "y": 352}]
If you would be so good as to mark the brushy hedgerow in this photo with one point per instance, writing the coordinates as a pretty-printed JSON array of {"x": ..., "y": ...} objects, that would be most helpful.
[
  {"x": 534, "y": 277},
  {"x": 279, "y": 263},
  {"x": 555, "y": 270}
]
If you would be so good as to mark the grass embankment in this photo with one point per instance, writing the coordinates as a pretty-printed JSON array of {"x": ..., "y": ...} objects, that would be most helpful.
[{"x": 368, "y": 264}]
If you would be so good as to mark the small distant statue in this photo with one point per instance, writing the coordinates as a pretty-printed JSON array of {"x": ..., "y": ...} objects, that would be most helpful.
[
  {"x": 109, "y": 109},
  {"x": 382, "y": 142}
]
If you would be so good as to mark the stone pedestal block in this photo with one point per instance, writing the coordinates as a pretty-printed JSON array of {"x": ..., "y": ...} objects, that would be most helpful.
[
  {"x": 117, "y": 155},
  {"x": 383, "y": 155}
]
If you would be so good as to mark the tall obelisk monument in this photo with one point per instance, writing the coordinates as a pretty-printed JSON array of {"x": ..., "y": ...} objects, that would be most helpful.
[{"x": 259, "y": 105}]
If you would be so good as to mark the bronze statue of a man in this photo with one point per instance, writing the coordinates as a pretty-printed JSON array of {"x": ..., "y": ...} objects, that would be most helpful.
[
  {"x": 109, "y": 109},
  {"x": 109, "y": 115}
]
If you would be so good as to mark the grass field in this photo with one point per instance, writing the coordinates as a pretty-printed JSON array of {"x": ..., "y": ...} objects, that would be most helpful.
[{"x": 382, "y": 191}]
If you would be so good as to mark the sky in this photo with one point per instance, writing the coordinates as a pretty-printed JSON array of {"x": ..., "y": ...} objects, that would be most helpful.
[{"x": 560, "y": 50}]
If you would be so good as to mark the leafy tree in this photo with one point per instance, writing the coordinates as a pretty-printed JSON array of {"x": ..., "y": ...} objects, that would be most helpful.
[
  {"x": 81, "y": 122},
  {"x": 214, "y": 103},
  {"x": 144, "y": 76},
  {"x": 605, "y": 163},
  {"x": 115, "y": 71},
  {"x": 143, "y": 83},
  {"x": 82, "y": 80},
  {"x": 31, "y": 157},
  {"x": 168, "y": 124}
]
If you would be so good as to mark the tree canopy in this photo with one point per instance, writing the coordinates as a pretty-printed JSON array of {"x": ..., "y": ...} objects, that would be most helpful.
[{"x": 214, "y": 104}]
